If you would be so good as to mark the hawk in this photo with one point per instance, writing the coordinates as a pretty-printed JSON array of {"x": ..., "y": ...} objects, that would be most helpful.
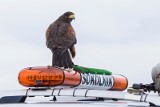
[{"x": 60, "y": 39}]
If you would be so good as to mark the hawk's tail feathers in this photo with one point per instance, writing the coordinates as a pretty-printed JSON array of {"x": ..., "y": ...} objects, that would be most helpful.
[
  {"x": 73, "y": 51},
  {"x": 66, "y": 60},
  {"x": 62, "y": 58}
]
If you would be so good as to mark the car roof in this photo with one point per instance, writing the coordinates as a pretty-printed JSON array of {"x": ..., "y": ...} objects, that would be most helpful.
[{"x": 74, "y": 97}]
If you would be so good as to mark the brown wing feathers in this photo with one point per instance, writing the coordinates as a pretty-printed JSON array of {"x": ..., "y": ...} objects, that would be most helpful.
[{"x": 60, "y": 38}]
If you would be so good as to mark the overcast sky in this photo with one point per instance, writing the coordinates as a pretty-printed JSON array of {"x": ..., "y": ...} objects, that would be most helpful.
[{"x": 118, "y": 35}]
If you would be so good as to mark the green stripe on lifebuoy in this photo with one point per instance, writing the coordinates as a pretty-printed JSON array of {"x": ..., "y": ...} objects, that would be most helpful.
[{"x": 91, "y": 70}]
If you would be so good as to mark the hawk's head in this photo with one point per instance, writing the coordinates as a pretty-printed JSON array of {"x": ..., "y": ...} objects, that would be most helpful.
[{"x": 68, "y": 16}]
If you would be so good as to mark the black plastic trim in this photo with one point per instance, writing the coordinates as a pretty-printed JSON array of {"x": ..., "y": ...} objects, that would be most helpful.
[{"x": 12, "y": 99}]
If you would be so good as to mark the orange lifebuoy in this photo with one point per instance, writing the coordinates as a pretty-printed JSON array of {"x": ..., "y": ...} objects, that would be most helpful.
[
  {"x": 47, "y": 77},
  {"x": 52, "y": 77}
]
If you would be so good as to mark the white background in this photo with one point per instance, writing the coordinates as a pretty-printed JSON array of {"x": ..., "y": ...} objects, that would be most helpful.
[{"x": 118, "y": 35}]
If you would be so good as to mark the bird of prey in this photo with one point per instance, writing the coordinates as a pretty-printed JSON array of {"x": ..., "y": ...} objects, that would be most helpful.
[{"x": 60, "y": 39}]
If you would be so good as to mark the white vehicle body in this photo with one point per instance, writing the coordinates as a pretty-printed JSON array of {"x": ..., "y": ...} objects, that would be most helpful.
[{"x": 72, "y": 97}]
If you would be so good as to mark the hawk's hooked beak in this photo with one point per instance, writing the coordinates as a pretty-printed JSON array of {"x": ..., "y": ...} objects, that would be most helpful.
[{"x": 72, "y": 16}]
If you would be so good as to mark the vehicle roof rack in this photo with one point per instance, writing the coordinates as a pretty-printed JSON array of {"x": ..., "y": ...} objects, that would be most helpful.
[{"x": 21, "y": 95}]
